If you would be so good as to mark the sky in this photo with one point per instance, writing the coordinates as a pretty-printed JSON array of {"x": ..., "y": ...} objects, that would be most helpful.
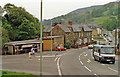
[{"x": 53, "y": 8}]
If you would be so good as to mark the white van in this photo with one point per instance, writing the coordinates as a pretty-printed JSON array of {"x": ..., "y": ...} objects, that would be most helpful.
[{"x": 104, "y": 53}]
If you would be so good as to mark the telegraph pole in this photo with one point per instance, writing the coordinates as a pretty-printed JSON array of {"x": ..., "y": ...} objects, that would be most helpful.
[
  {"x": 51, "y": 36},
  {"x": 41, "y": 42},
  {"x": 115, "y": 38}
]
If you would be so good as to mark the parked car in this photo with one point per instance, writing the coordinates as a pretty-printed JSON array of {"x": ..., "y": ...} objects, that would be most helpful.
[
  {"x": 60, "y": 48},
  {"x": 90, "y": 46}
]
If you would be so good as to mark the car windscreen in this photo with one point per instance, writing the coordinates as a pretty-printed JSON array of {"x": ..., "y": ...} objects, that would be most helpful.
[{"x": 107, "y": 50}]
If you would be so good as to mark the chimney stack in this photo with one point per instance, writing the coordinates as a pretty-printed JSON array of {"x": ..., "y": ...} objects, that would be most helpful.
[{"x": 70, "y": 22}]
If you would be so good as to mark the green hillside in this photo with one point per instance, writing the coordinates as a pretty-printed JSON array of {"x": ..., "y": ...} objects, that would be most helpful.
[{"x": 104, "y": 15}]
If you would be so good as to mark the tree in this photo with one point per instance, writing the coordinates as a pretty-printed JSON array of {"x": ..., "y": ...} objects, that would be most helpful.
[
  {"x": 14, "y": 21},
  {"x": 5, "y": 36},
  {"x": 110, "y": 24},
  {"x": 26, "y": 30}
]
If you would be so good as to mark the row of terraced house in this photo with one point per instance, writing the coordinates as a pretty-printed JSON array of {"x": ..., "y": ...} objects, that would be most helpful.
[{"x": 74, "y": 33}]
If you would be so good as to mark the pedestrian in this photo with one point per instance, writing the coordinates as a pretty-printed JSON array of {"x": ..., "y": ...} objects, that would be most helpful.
[
  {"x": 33, "y": 52},
  {"x": 30, "y": 55}
]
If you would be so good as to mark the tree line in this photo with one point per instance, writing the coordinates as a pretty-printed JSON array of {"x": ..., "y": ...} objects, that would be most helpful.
[{"x": 18, "y": 24}]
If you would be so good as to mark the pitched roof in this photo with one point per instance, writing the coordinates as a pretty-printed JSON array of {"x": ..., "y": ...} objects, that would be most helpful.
[
  {"x": 76, "y": 27},
  {"x": 48, "y": 29},
  {"x": 64, "y": 28},
  {"x": 86, "y": 28}
]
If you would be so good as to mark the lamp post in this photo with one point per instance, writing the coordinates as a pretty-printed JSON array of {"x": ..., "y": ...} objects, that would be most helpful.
[
  {"x": 115, "y": 38},
  {"x": 51, "y": 36},
  {"x": 41, "y": 42}
]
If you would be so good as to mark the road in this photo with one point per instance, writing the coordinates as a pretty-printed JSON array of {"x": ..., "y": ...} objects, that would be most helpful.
[
  {"x": 73, "y": 62},
  {"x": 111, "y": 36},
  {"x": 81, "y": 62}
]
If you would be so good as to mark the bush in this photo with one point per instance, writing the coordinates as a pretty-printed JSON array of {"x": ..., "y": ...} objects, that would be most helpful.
[{"x": 68, "y": 45}]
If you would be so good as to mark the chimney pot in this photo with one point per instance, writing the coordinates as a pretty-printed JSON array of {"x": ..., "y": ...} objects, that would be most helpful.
[{"x": 70, "y": 22}]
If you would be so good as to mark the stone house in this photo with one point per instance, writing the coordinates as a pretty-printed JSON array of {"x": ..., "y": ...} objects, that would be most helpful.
[
  {"x": 96, "y": 30},
  {"x": 86, "y": 34},
  {"x": 71, "y": 32}
]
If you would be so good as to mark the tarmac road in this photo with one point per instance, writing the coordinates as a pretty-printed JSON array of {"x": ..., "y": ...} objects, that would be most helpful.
[{"x": 71, "y": 62}]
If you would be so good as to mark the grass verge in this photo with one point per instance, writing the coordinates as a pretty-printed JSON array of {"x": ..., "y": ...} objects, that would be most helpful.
[{"x": 15, "y": 74}]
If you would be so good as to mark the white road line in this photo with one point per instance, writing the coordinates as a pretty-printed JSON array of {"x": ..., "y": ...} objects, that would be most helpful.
[
  {"x": 112, "y": 69},
  {"x": 46, "y": 56},
  {"x": 39, "y": 59},
  {"x": 103, "y": 64},
  {"x": 81, "y": 62},
  {"x": 56, "y": 59},
  {"x": 79, "y": 58},
  {"x": 58, "y": 65},
  {"x": 96, "y": 75},
  {"x": 88, "y": 69},
  {"x": 85, "y": 55},
  {"x": 89, "y": 61}
]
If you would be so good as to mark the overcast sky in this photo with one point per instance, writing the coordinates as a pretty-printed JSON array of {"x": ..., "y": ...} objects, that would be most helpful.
[{"x": 53, "y": 8}]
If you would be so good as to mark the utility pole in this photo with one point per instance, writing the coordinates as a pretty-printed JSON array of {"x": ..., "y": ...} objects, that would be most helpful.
[
  {"x": 41, "y": 42},
  {"x": 115, "y": 38},
  {"x": 51, "y": 36}
]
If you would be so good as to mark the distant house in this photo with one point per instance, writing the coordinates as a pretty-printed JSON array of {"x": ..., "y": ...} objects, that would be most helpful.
[
  {"x": 71, "y": 32},
  {"x": 96, "y": 30},
  {"x": 93, "y": 25}
]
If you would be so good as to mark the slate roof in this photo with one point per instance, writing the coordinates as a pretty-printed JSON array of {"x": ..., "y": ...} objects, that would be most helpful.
[
  {"x": 64, "y": 28},
  {"x": 48, "y": 29},
  {"x": 76, "y": 27},
  {"x": 86, "y": 28}
]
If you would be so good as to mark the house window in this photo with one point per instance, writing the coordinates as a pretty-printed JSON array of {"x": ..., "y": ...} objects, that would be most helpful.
[{"x": 48, "y": 34}]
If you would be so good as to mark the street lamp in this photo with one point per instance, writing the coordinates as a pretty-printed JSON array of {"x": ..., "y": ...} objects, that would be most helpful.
[
  {"x": 51, "y": 36},
  {"x": 41, "y": 42},
  {"x": 115, "y": 38}
]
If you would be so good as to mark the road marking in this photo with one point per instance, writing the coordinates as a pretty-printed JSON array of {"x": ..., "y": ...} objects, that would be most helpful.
[
  {"x": 79, "y": 58},
  {"x": 82, "y": 53},
  {"x": 58, "y": 64},
  {"x": 103, "y": 64},
  {"x": 81, "y": 62},
  {"x": 39, "y": 59},
  {"x": 88, "y": 69},
  {"x": 89, "y": 61},
  {"x": 46, "y": 56},
  {"x": 112, "y": 69},
  {"x": 96, "y": 75},
  {"x": 85, "y": 55},
  {"x": 56, "y": 59}
]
